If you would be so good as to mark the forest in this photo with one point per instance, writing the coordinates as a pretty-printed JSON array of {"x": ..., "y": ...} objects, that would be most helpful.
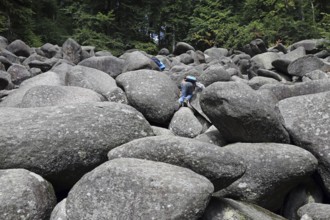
[{"x": 119, "y": 25}]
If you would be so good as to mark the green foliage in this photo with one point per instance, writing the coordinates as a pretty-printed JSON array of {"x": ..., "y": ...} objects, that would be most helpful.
[{"x": 149, "y": 47}]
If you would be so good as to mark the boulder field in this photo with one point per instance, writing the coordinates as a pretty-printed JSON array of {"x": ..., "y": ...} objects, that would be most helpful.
[{"x": 85, "y": 135}]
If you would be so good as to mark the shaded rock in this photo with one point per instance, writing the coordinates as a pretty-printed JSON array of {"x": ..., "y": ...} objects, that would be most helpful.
[
  {"x": 214, "y": 73},
  {"x": 272, "y": 171},
  {"x": 221, "y": 208},
  {"x": 5, "y": 63},
  {"x": 5, "y": 79},
  {"x": 186, "y": 58},
  {"x": 71, "y": 51},
  {"x": 182, "y": 47},
  {"x": 155, "y": 190},
  {"x": 185, "y": 124},
  {"x": 270, "y": 74},
  {"x": 152, "y": 93},
  {"x": 305, "y": 193},
  {"x": 9, "y": 56},
  {"x": 18, "y": 73},
  {"x": 44, "y": 95},
  {"x": 281, "y": 65},
  {"x": 281, "y": 91},
  {"x": 62, "y": 143},
  {"x": 19, "y": 48},
  {"x": 242, "y": 114},
  {"x": 212, "y": 136},
  {"x": 304, "y": 65},
  {"x": 164, "y": 51},
  {"x": 211, "y": 161},
  {"x": 43, "y": 65},
  {"x": 108, "y": 64},
  {"x": 51, "y": 50},
  {"x": 255, "y": 47},
  {"x": 307, "y": 120},
  {"x": 322, "y": 54},
  {"x": 35, "y": 71},
  {"x": 258, "y": 81},
  {"x": 34, "y": 57},
  {"x": 25, "y": 195},
  {"x": 59, "y": 212},
  {"x": 159, "y": 131}
]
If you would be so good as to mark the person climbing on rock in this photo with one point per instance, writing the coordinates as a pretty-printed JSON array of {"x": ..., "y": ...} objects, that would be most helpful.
[{"x": 188, "y": 86}]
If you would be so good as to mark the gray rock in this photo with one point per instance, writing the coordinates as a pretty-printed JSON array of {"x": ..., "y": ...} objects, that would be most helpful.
[
  {"x": 304, "y": 65},
  {"x": 258, "y": 81},
  {"x": 91, "y": 78},
  {"x": 152, "y": 93},
  {"x": 158, "y": 131},
  {"x": 323, "y": 54},
  {"x": 164, "y": 51},
  {"x": 310, "y": 45},
  {"x": 185, "y": 124},
  {"x": 35, "y": 71},
  {"x": 272, "y": 171},
  {"x": 34, "y": 57},
  {"x": 44, "y": 95},
  {"x": 214, "y": 73},
  {"x": 228, "y": 209},
  {"x": 215, "y": 163},
  {"x": 108, "y": 64},
  {"x": 212, "y": 136},
  {"x": 182, "y": 47},
  {"x": 62, "y": 143},
  {"x": 242, "y": 114},
  {"x": 216, "y": 53},
  {"x": 137, "y": 60},
  {"x": 305, "y": 193},
  {"x": 314, "y": 211},
  {"x": 59, "y": 212},
  {"x": 18, "y": 73},
  {"x": 71, "y": 51},
  {"x": 281, "y": 91},
  {"x": 138, "y": 189},
  {"x": 270, "y": 74},
  {"x": 25, "y": 195},
  {"x": 315, "y": 75},
  {"x": 51, "y": 50},
  {"x": 43, "y": 65},
  {"x": 3, "y": 42},
  {"x": 265, "y": 59},
  {"x": 294, "y": 54},
  {"x": 186, "y": 58},
  {"x": 103, "y": 53},
  {"x": 5, "y": 63},
  {"x": 307, "y": 120},
  {"x": 9, "y": 56},
  {"x": 14, "y": 99},
  {"x": 19, "y": 48}
]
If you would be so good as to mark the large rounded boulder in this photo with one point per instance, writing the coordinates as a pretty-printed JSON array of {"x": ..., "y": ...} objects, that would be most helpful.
[
  {"x": 217, "y": 164},
  {"x": 152, "y": 93},
  {"x": 62, "y": 143},
  {"x": 272, "y": 171},
  {"x": 138, "y": 189},
  {"x": 242, "y": 114},
  {"x": 41, "y": 96},
  {"x": 307, "y": 119},
  {"x": 25, "y": 195}
]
